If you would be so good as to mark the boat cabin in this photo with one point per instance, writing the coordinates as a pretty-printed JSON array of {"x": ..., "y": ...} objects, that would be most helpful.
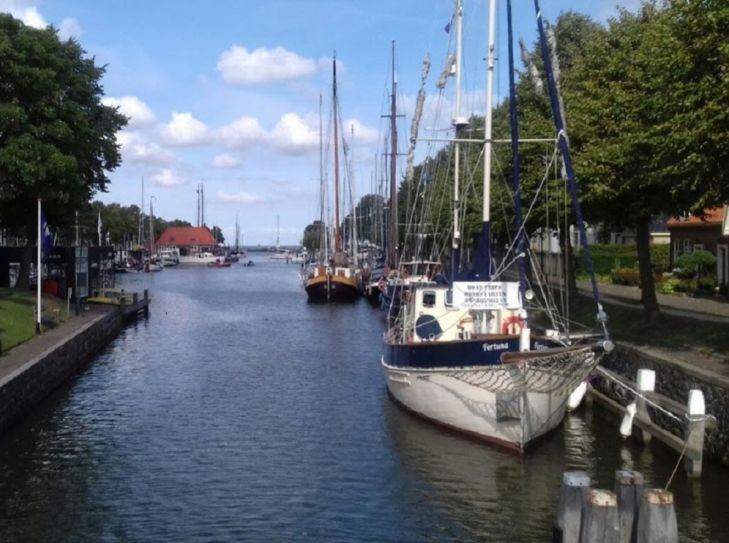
[{"x": 441, "y": 313}]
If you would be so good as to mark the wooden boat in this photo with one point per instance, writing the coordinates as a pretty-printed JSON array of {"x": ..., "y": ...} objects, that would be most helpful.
[
  {"x": 219, "y": 264},
  {"x": 338, "y": 281}
]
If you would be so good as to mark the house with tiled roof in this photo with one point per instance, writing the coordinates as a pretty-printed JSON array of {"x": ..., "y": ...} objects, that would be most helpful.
[
  {"x": 710, "y": 233},
  {"x": 187, "y": 239}
]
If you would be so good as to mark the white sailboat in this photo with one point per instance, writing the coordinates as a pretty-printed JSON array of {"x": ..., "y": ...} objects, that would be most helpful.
[{"x": 464, "y": 355}]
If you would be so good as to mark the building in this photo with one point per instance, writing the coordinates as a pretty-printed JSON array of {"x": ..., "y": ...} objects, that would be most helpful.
[
  {"x": 188, "y": 240},
  {"x": 710, "y": 233}
]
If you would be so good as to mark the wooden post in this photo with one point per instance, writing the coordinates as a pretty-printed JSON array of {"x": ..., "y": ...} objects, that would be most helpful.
[
  {"x": 135, "y": 298},
  {"x": 646, "y": 382},
  {"x": 629, "y": 491},
  {"x": 600, "y": 518},
  {"x": 571, "y": 502},
  {"x": 657, "y": 518},
  {"x": 695, "y": 433}
]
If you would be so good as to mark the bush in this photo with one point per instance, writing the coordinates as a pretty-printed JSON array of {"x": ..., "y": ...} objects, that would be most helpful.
[
  {"x": 706, "y": 285},
  {"x": 696, "y": 263},
  {"x": 626, "y": 276},
  {"x": 689, "y": 286},
  {"x": 669, "y": 285},
  {"x": 607, "y": 258}
]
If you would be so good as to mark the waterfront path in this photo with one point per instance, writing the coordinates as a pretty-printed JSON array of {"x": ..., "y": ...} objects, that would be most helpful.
[
  {"x": 681, "y": 306},
  {"x": 15, "y": 359},
  {"x": 698, "y": 309}
]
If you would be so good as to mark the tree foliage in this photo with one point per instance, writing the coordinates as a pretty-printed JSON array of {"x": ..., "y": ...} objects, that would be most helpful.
[{"x": 57, "y": 140}]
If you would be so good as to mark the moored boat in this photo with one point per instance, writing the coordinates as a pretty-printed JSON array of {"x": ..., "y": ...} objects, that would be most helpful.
[{"x": 470, "y": 355}]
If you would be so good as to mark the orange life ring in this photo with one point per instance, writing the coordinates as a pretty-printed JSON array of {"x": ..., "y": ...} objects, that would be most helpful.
[{"x": 515, "y": 321}]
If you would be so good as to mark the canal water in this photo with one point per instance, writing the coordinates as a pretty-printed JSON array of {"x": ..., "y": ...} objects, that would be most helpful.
[{"x": 238, "y": 412}]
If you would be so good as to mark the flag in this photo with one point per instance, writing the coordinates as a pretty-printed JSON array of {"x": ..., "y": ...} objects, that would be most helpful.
[
  {"x": 98, "y": 227},
  {"x": 447, "y": 28},
  {"x": 46, "y": 237}
]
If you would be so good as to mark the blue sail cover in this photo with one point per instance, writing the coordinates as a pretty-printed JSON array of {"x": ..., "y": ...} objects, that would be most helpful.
[{"x": 481, "y": 270}]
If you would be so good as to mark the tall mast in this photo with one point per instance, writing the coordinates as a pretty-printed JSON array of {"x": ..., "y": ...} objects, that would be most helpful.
[
  {"x": 323, "y": 241},
  {"x": 459, "y": 123},
  {"x": 141, "y": 219},
  {"x": 337, "y": 234},
  {"x": 277, "y": 232},
  {"x": 394, "y": 234},
  {"x": 482, "y": 258}
]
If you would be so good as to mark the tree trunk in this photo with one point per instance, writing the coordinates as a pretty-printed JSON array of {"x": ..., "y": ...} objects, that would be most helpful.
[{"x": 647, "y": 285}]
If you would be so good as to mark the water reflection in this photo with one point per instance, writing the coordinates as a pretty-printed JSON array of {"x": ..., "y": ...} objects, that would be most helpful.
[{"x": 239, "y": 412}]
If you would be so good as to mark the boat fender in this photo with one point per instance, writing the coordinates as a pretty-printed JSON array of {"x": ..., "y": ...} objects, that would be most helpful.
[{"x": 513, "y": 321}]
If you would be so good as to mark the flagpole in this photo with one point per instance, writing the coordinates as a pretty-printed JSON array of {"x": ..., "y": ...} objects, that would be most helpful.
[{"x": 38, "y": 274}]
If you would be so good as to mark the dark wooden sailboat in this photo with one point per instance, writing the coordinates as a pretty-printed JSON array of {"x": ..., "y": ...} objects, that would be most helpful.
[{"x": 334, "y": 280}]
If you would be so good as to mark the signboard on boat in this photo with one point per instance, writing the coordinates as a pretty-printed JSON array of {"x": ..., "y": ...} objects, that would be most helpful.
[{"x": 486, "y": 295}]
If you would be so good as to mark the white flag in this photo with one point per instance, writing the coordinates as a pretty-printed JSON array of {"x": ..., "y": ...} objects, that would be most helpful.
[{"x": 98, "y": 227}]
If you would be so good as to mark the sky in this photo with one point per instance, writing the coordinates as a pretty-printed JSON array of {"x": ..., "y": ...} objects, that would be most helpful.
[{"x": 226, "y": 93}]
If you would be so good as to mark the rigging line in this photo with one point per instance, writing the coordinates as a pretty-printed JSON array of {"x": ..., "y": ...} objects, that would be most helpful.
[
  {"x": 653, "y": 404},
  {"x": 545, "y": 297},
  {"x": 522, "y": 227}
]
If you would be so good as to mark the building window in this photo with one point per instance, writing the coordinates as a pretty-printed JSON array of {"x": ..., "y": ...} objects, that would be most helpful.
[{"x": 698, "y": 246}]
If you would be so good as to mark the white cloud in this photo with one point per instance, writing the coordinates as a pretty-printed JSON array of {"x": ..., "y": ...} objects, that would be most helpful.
[
  {"x": 362, "y": 134},
  {"x": 293, "y": 134},
  {"x": 138, "y": 112},
  {"x": 241, "y": 132},
  {"x": 225, "y": 161},
  {"x": 25, "y": 11},
  {"x": 166, "y": 178},
  {"x": 136, "y": 148},
  {"x": 70, "y": 28},
  {"x": 242, "y": 198},
  {"x": 238, "y": 66},
  {"x": 184, "y": 129}
]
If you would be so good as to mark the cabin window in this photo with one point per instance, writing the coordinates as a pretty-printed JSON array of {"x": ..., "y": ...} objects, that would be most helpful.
[
  {"x": 449, "y": 297},
  {"x": 429, "y": 299}
]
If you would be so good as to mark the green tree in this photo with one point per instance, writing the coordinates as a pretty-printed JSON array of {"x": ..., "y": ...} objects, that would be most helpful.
[
  {"x": 57, "y": 140},
  {"x": 648, "y": 105}
]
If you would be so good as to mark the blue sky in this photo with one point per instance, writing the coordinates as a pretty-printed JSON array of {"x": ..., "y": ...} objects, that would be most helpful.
[{"x": 226, "y": 92}]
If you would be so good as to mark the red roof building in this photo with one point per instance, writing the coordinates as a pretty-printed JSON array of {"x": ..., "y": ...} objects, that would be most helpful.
[
  {"x": 188, "y": 239},
  {"x": 709, "y": 233}
]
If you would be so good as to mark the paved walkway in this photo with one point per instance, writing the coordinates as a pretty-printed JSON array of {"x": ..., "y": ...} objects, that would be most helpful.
[
  {"x": 683, "y": 306},
  {"x": 699, "y": 309},
  {"x": 14, "y": 359}
]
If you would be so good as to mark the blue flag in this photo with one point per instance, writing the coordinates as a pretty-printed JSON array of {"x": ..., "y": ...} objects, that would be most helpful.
[
  {"x": 46, "y": 237},
  {"x": 447, "y": 28}
]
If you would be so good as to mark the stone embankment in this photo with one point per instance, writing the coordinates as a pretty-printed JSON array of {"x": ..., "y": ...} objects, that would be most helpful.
[
  {"x": 676, "y": 374},
  {"x": 31, "y": 371}
]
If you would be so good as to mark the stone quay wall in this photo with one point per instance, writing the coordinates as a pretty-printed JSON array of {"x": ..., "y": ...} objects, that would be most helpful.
[
  {"x": 27, "y": 386},
  {"x": 674, "y": 379}
]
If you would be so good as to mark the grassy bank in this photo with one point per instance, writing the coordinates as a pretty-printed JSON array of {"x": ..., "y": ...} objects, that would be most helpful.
[
  {"x": 17, "y": 316},
  {"x": 667, "y": 331}
]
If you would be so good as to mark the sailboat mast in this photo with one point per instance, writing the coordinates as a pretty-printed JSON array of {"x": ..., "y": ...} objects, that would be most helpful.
[
  {"x": 459, "y": 123},
  {"x": 323, "y": 237},
  {"x": 394, "y": 234},
  {"x": 486, "y": 212},
  {"x": 335, "y": 116},
  {"x": 516, "y": 166}
]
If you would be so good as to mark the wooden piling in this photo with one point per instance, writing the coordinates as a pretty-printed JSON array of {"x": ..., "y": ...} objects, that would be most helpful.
[
  {"x": 646, "y": 382},
  {"x": 600, "y": 518},
  {"x": 575, "y": 484},
  {"x": 657, "y": 518},
  {"x": 629, "y": 491},
  {"x": 695, "y": 427}
]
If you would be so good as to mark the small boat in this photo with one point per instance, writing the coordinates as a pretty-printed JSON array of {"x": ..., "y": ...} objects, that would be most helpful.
[
  {"x": 219, "y": 264},
  {"x": 249, "y": 264},
  {"x": 110, "y": 296}
]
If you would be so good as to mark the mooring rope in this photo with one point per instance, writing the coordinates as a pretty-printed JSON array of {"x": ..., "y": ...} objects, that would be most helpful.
[{"x": 653, "y": 404}]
